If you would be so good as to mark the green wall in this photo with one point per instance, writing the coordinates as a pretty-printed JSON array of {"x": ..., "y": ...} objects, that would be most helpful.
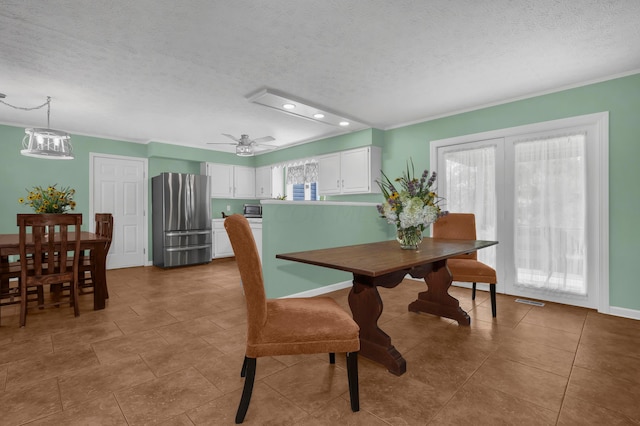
[
  {"x": 293, "y": 226},
  {"x": 621, "y": 97}
]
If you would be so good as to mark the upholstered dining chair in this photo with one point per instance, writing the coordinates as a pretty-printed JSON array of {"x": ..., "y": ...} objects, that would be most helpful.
[
  {"x": 287, "y": 326},
  {"x": 466, "y": 267},
  {"x": 50, "y": 243},
  {"x": 104, "y": 228}
]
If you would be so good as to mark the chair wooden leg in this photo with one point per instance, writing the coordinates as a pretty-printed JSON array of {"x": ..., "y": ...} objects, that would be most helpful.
[
  {"x": 332, "y": 358},
  {"x": 492, "y": 289},
  {"x": 352, "y": 375},
  {"x": 23, "y": 304},
  {"x": 74, "y": 296},
  {"x": 249, "y": 368},
  {"x": 473, "y": 292}
]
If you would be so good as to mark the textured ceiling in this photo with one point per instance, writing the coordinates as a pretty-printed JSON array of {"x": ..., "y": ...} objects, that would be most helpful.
[{"x": 181, "y": 72}]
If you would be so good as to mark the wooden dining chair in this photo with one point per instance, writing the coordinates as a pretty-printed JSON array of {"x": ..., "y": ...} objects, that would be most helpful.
[
  {"x": 87, "y": 271},
  {"x": 51, "y": 241},
  {"x": 466, "y": 267},
  {"x": 10, "y": 271},
  {"x": 287, "y": 326}
]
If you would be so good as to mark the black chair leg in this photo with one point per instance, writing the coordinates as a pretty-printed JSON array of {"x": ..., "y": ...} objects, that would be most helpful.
[
  {"x": 249, "y": 368},
  {"x": 473, "y": 292},
  {"x": 492, "y": 289},
  {"x": 332, "y": 358},
  {"x": 243, "y": 372},
  {"x": 352, "y": 374}
]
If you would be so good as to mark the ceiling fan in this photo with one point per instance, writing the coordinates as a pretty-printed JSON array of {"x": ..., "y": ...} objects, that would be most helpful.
[{"x": 244, "y": 144}]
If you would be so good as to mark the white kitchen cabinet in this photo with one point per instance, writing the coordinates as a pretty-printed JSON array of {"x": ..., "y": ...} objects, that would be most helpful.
[
  {"x": 350, "y": 172},
  {"x": 221, "y": 243},
  {"x": 256, "y": 230},
  {"x": 329, "y": 174},
  {"x": 229, "y": 181},
  {"x": 244, "y": 179},
  {"x": 263, "y": 182},
  {"x": 220, "y": 178}
]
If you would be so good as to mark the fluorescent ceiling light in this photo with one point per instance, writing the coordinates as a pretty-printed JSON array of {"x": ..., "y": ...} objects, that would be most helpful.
[{"x": 278, "y": 100}]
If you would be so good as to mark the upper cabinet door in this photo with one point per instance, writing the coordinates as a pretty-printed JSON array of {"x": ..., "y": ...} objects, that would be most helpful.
[
  {"x": 355, "y": 171},
  {"x": 245, "y": 182},
  {"x": 329, "y": 174},
  {"x": 350, "y": 172},
  {"x": 221, "y": 177},
  {"x": 263, "y": 182}
]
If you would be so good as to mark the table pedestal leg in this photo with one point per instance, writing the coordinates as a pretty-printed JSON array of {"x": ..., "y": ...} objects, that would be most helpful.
[
  {"x": 375, "y": 344},
  {"x": 436, "y": 300}
]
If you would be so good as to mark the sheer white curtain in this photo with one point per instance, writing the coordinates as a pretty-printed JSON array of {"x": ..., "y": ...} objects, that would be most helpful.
[
  {"x": 550, "y": 181},
  {"x": 471, "y": 188}
]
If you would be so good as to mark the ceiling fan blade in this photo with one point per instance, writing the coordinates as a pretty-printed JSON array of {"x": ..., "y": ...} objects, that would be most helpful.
[
  {"x": 264, "y": 139},
  {"x": 221, "y": 143},
  {"x": 231, "y": 136}
]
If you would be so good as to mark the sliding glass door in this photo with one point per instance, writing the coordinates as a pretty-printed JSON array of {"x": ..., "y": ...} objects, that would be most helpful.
[{"x": 539, "y": 193}]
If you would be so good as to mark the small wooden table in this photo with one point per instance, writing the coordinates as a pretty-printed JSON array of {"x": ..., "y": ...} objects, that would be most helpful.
[
  {"x": 385, "y": 264},
  {"x": 10, "y": 245}
]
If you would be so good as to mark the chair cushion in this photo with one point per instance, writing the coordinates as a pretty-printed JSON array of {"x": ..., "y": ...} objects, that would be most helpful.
[
  {"x": 471, "y": 271},
  {"x": 305, "y": 326}
]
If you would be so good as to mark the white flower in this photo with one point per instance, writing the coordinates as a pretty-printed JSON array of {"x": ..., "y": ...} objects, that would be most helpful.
[{"x": 389, "y": 213}]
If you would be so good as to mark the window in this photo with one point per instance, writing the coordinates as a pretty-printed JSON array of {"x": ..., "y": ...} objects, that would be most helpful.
[{"x": 301, "y": 181}]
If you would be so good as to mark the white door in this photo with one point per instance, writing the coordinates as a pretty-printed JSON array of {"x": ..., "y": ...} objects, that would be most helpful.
[{"x": 119, "y": 187}]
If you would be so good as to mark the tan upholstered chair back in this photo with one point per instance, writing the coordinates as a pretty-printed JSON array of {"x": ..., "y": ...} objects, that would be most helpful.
[
  {"x": 457, "y": 226},
  {"x": 248, "y": 260}
]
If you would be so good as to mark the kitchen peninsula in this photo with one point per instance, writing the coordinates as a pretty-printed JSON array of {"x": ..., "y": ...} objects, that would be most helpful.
[{"x": 290, "y": 226}]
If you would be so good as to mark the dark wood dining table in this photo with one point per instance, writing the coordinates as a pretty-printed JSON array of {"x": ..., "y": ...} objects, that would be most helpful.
[
  {"x": 10, "y": 245},
  {"x": 385, "y": 264}
]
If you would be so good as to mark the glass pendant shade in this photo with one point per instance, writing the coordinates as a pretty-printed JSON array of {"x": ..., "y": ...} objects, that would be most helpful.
[{"x": 47, "y": 143}]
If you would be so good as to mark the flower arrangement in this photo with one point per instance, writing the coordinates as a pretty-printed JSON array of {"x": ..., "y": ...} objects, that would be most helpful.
[
  {"x": 50, "y": 200},
  {"x": 411, "y": 204}
]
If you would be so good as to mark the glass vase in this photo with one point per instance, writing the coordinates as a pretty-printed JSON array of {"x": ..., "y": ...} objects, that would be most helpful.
[{"x": 409, "y": 238}]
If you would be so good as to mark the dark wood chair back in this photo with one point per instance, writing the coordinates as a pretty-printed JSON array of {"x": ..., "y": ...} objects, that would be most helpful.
[
  {"x": 53, "y": 240},
  {"x": 104, "y": 227}
]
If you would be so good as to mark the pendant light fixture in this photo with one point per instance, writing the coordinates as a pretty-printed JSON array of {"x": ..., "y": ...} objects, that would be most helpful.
[{"x": 44, "y": 143}]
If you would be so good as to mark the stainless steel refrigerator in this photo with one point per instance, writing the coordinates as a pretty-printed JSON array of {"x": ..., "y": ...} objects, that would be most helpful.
[{"x": 181, "y": 219}]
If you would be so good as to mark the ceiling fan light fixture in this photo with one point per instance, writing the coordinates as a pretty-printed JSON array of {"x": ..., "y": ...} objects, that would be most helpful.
[{"x": 244, "y": 150}]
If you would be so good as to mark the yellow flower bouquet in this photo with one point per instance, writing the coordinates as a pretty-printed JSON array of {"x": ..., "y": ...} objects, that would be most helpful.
[{"x": 50, "y": 200}]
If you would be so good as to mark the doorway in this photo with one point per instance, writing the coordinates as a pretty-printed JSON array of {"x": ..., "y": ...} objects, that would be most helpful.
[
  {"x": 119, "y": 187},
  {"x": 542, "y": 191}
]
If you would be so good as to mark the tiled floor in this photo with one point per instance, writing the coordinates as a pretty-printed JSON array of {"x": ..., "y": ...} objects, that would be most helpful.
[{"x": 169, "y": 347}]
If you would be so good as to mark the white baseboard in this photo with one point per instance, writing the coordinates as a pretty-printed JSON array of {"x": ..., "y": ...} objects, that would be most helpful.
[
  {"x": 624, "y": 312},
  {"x": 320, "y": 290}
]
